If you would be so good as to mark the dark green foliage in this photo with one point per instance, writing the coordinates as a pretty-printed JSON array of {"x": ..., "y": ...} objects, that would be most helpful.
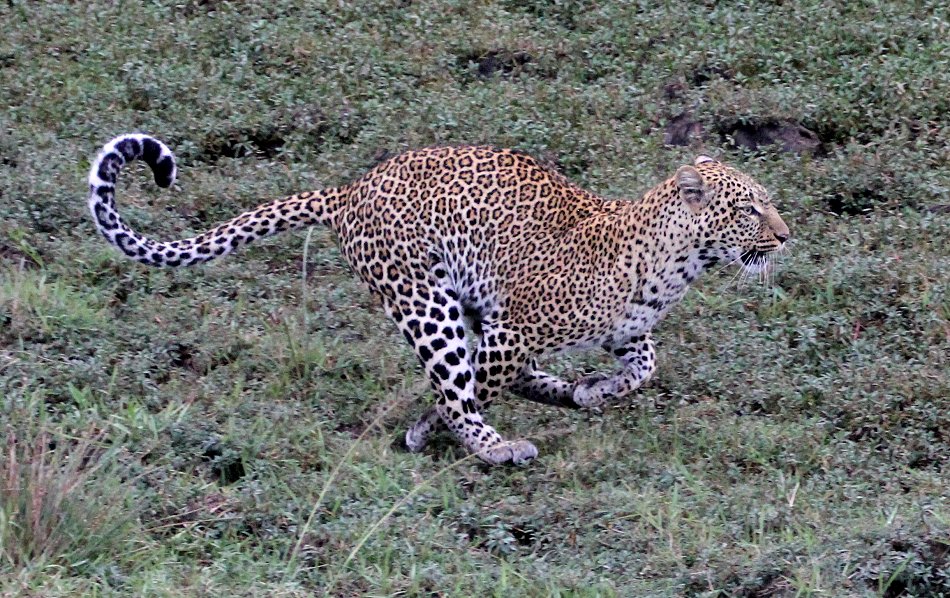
[{"x": 794, "y": 441}]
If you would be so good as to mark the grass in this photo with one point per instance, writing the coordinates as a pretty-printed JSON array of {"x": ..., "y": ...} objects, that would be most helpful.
[
  {"x": 240, "y": 423},
  {"x": 65, "y": 503}
]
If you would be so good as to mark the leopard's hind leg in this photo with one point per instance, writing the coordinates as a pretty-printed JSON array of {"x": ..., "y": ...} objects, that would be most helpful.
[
  {"x": 499, "y": 363},
  {"x": 430, "y": 317}
]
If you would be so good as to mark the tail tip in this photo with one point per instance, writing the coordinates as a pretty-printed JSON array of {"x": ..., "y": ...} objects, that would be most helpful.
[
  {"x": 132, "y": 146},
  {"x": 159, "y": 158},
  {"x": 164, "y": 172}
]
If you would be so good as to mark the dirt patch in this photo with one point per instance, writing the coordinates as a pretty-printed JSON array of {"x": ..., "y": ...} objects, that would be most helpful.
[
  {"x": 484, "y": 64},
  {"x": 790, "y": 136},
  {"x": 685, "y": 129},
  {"x": 855, "y": 202},
  {"x": 489, "y": 63},
  {"x": 240, "y": 143}
]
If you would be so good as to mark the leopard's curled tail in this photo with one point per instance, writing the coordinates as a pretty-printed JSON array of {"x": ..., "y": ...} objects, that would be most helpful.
[{"x": 297, "y": 211}]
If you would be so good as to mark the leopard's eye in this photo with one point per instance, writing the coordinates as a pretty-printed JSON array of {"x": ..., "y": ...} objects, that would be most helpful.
[{"x": 749, "y": 209}]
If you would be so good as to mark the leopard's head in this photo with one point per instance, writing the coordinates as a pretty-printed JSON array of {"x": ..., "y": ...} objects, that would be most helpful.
[{"x": 733, "y": 215}]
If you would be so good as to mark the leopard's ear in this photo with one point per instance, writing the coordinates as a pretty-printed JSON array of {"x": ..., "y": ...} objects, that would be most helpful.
[
  {"x": 691, "y": 187},
  {"x": 704, "y": 159}
]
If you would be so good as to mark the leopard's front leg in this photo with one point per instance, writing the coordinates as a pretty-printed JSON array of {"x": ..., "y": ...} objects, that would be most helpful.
[{"x": 638, "y": 359}]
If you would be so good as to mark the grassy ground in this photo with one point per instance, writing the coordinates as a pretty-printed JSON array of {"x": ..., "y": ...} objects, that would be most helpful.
[{"x": 235, "y": 429}]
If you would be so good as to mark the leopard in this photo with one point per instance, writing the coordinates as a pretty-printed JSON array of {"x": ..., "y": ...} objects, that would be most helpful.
[{"x": 488, "y": 259}]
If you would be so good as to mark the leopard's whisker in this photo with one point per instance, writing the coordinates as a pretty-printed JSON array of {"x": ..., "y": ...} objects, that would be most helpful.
[
  {"x": 737, "y": 277},
  {"x": 723, "y": 268}
]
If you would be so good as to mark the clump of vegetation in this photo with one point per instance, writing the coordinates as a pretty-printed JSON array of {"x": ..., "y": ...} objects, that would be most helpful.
[{"x": 64, "y": 500}]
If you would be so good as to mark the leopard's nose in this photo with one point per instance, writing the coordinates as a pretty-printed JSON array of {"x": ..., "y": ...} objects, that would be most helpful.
[{"x": 781, "y": 238}]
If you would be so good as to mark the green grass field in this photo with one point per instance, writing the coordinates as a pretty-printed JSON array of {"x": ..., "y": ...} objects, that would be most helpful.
[{"x": 235, "y": 429}]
